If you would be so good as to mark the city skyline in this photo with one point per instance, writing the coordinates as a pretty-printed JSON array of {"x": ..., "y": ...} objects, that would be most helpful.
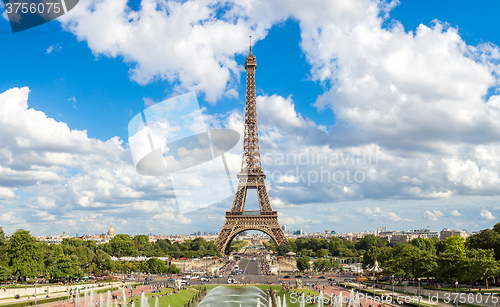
[{"x": 370, "y": 112}]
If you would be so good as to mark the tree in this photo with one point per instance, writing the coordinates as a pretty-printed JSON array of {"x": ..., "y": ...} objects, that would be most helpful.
[
  {"x": 480, "y": 264},
  {"x": 496, "y": 228},
  {"x": 102, "y": 262},
  {"x": 455, "y": 244},
  {"x": 303, "y": 263},
  {"x": 120, "y": 246},
  {"x": 173, "y": 269},
  {"x": 450, "y": 266},
  {"x": 322, "y": 265},
  {"x": 284, "y": 248},
  {"x": 486, "y": 239},
  {"x": 156, "y": 266},
  {"x": 65, "y": 266},
  {"x": 370, "y": 241},
  {"x": 411, "y": 262},
  {"x": 5, "y": 272},
  {"x": 4, "y": 259},
  {"x": 382, "y": 255},
  {"x": 322, "y": 252},
  {"x": 25, "y": 258}
]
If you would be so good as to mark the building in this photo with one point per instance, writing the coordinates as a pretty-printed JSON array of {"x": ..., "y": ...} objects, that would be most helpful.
[
  {"x": 446, "y": 233},
  {"x": 408, "y": 235},
  {"x": 111, "y": 232}
]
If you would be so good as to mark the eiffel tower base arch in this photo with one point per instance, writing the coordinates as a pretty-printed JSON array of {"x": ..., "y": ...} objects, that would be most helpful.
[{"x": 236, "y": 222}]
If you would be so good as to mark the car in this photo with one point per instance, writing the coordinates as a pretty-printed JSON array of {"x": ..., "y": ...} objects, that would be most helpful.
[
  {"x": 171, "y": 279},
  {"x": 298, "y": 276},
  {"x": 287, "y": 276},
  {"x": 307, "y": 276},
  {"x": 230, "y": 275},
  {"x": 323, "y": 277},
  {"x": 204, "y": 279},
  {"x": 186, "y": 277}
]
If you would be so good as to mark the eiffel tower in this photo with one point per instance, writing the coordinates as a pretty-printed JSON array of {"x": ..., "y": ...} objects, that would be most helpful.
[{"x": 252, "y": 177}]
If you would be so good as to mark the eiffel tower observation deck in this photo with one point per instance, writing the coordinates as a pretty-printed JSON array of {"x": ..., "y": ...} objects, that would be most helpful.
[{"x": 251, "y": 177}]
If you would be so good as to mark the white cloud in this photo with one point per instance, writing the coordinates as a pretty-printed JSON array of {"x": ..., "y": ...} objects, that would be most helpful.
[
  {"x": 53, "y": 48},
  {"x": 278, "y": 111},
  {"x": 168, "y": 40},
  {"x": 6, "y": 193},
  {"x": 378, "y": 214},
  {"x": 455, "y": 213},
  {"x": 487, "y": 215},
  {"x": 433, "y": 215},
  {"x": 65, "y": 176}
]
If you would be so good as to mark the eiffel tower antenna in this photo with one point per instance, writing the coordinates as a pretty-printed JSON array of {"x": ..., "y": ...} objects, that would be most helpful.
[{"x": 251, "y": 177}]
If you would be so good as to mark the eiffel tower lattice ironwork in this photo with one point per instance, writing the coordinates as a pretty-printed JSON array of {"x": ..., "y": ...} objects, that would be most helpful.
[{"x": 251, "y": 176}]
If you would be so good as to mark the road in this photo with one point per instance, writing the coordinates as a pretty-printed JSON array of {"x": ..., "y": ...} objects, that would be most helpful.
[{"x": 250, "y": 267}]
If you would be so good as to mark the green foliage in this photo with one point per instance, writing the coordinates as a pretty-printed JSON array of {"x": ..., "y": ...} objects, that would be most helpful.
[
  {"x": 173, "y": 269},
  {"x": 236, "y": 246},
  {"x": 496, "y": 228},
  {"x": 5, "y": 272},
  {"x": 370, "y": 241},
  {"x": 156, "y": 266},
  {"x": 486, "y": 239},
  {"x": 120, "y": 246},
  {"x": 455, "y": 244},
  {"x": 25, "y": 258},
  {"x": 65, "y": 266},
  {"x": 382, "y": 254},
  {"x": 411, "y": 262},
  {"x": 101, "y": 262},
  {"x": 449, "y": 266},
  {"x": 303, "y": 263},
  {"x": 323, "y": 265},
  {"x": 480, "y": 264}
]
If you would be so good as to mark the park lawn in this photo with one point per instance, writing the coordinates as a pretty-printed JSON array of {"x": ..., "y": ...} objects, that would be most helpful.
[
  {"x": 295, "y": 299},
  {"x": 175, "y": 300},
  {"x": 181, "y": 298}
]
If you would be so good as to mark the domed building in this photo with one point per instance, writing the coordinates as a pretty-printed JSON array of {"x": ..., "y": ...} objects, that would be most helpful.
[{"x": 111, "y": 232}]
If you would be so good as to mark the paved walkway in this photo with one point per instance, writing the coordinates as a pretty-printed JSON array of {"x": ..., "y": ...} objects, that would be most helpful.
[
  {"x": 382, "y": 297},
  {"x": 128, "y": 293},
  {"x": 62, "y": 294}
]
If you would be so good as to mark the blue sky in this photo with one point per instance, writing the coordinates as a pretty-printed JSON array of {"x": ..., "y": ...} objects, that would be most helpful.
[{"x": 403, "y": 95}]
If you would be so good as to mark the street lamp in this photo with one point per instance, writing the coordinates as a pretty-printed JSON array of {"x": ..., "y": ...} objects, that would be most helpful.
[
  {"x": 456, "y": 290},
  {"x": 418, "y": 292},
  {"x": 359, "y": 278},
  {"x": 392, "y": 279}
]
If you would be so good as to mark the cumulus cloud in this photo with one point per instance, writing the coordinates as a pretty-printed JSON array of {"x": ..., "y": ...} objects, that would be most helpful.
[
  {"x": 433, "y": 215},
  {"x": 487, "y": 215},
  {"x": 67, "y": 177},
  {"x": 169, "y": 40},
  {"x": 413, "y": 119}
]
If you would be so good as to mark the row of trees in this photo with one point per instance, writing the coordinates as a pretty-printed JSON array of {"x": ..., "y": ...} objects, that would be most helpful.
[
  {"x": 22, "y": 256},
  {"x": 458, "y": 259}
]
